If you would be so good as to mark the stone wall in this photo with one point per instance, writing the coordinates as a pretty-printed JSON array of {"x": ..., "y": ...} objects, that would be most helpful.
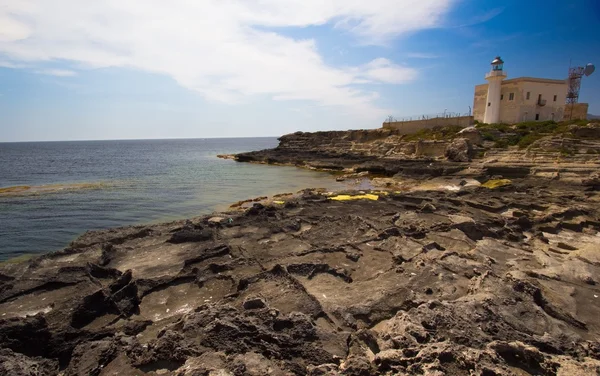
[
  {"x": 576, "y": 111},
  {"x": 413, "y": 126}
]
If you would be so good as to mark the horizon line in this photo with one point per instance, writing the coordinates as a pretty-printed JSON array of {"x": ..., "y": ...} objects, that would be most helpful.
[{"x": 137, "y": 139}]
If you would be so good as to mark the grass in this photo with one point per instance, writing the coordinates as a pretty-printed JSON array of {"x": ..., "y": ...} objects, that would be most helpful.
[
  {"x": 503, "y": 135},
  {"x": 526, "y": 133},
  {"x": 436, "y": 133}
]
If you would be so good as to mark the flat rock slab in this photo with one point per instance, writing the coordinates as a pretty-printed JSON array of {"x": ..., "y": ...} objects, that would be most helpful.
[{"x": 438, "y": 283}]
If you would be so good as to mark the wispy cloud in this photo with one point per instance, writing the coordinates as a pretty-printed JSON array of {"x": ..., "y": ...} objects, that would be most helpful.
[
  {"x": 10, "y": 64},
  {"x": 224, "y": 50},
  {"x": 480, "y": 18},
  {"x": 495, "y": 42},
  {"x": 57, "y": 72},
  {"x": 422, "y": 55}
]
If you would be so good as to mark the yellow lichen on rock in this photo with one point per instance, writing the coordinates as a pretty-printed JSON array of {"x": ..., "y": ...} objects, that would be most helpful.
[
  {"x": 495, "y": 183},
  {"x": 15, "y": 189},
  {"x": 367, "y": 196}
]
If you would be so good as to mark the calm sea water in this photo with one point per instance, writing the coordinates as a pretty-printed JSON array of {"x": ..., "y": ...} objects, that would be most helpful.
[{"x": 131, "y": 182}]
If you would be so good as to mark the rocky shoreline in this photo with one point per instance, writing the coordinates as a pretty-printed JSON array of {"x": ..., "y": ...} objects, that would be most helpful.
[
  {"x": 481, "y": 281},
  {"x": 499, "y": 278},
  {"x": 571, "y": 155}
]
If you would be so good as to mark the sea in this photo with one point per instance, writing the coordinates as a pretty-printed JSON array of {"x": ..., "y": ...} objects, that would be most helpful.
[{"x": 62, "y": 189}]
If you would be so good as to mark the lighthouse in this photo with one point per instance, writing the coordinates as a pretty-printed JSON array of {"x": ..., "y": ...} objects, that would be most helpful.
[{"x": 494, "y": 78}]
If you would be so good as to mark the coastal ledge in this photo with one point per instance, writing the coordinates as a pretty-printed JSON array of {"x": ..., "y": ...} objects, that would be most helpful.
[
  {"x": 499, "y": 279},
  {"x": 518, "y": 150}
]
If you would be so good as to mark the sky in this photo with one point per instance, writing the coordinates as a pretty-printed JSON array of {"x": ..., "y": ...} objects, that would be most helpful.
[{"x": 142, "y": 69}]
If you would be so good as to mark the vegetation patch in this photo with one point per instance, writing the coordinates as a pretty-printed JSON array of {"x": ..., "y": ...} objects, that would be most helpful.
[
  {"x": 436, "y": 133},
  {"x": 526, "y": 133}
]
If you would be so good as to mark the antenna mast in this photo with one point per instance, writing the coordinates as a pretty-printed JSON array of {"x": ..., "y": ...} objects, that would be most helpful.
[{"x": 574, "y": 82}]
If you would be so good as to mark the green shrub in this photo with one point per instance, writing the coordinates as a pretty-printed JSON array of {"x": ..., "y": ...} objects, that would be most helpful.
[
  {"x": 435, "y": 133},
  {"x": 488, "y": 136},
  {"x": 528, "y": 140}
]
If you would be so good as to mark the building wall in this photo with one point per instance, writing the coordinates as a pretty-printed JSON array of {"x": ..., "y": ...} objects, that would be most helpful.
[
  {"x": 413, "y": 126},
  {"x": 520, "y": 108},
  {"x": 576, "y": 111},
  {"x": 479, "y": 102}
]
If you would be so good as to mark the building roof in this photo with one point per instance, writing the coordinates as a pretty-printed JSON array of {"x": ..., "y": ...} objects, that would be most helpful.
[
  {"x": 534, "y": 79},
  {"x": 531, "y": 79}
]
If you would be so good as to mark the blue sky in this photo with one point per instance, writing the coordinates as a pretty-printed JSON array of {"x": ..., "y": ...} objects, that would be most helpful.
[{"x": 81, "y": 70}]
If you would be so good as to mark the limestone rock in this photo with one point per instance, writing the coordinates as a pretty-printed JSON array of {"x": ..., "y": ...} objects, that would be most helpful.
[
  {"x": 592, "y": 130},
  {"x": 459, "y": 150},
  {"x": 479, "y": 281},
  {"x": 472, "y": 134}
]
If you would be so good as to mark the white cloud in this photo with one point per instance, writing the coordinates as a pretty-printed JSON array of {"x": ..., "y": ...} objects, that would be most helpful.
[
  {"x": 57, "y": 72},
  {"x": 225, "y": 50},
  {"x": 384, "y": 71},
  {"x": 422, "y": 55}
]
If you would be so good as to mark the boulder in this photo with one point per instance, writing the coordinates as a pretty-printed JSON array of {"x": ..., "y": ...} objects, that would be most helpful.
[
  {"x": 459, "y": 150},
  {"x": 472, "y": 134},
  {"x": 592, "y": 130}
]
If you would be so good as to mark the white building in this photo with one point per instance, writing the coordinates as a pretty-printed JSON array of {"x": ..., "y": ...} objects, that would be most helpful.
[{"x": 518, "y": 99}]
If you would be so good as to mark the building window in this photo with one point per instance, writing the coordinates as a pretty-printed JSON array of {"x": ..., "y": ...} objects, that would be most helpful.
[
  {"x": 537, "y": 116},
  {"x": 555, "y": 98},
  {"x": 501, "y": 96},
  {"x": 489, "y": 104},
  {"x": 528, "y": 95},
  {"x": 511, "y": 96}
]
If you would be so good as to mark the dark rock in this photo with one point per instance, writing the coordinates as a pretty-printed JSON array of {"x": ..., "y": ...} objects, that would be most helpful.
[
  {"x": 15, "y": 364},
  {"x": 254, "y": 303},
  {"x": 29, "y": 335},
  {"x": 322, "y": 287},
  {"x": 185, "y": 236}
]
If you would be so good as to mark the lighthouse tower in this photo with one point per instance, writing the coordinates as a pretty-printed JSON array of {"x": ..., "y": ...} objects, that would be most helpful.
[{"x": 494, "y": 78}]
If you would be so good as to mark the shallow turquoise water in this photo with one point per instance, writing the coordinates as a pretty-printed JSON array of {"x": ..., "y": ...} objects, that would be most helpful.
[{"x": 140, "y": 181}]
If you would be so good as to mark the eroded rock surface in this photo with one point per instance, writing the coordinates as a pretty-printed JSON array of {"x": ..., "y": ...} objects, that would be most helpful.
[
  {"x": 571, "y": 156},
  {"x": 474, "y": 282}
]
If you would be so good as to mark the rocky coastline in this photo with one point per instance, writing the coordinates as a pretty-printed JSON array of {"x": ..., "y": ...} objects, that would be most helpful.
[{"x": 496, "y": 274}]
